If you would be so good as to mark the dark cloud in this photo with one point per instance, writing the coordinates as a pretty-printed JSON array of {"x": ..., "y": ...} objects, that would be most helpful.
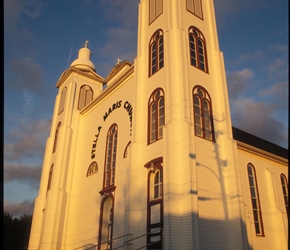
[
  {"x": 227, "y": 9},
  {"x": 257, "y": 118},
  {"x": 17, "y": 14},
  {"x": 27, "y": 140},
  {"x": 121, "y": 36},
  {"x": 278, "y": 95},
  {"x": 116, "y": 48},
  {"x": 239, "y": 82},
  {"x": 22, "y": 173},
  {"x": 124, "y": 14},
  {"x": 278, "y": 69},
  {"x": 24, "y": 73},
  {"x": 18, "y": 209},
  {"x": 15, "y": 9}
]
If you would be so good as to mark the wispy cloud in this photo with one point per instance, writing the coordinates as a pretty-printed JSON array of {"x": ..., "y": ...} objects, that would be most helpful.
[{"x": 28, "y": 102}]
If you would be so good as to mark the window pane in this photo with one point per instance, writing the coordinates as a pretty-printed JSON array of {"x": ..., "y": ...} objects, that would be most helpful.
[
  {"x": 257, "y": 215},
  {"x": 89, "y": 96},
  {"x": 198, "y": 8},
  {"x": 257, "y": 227},
  {"x": 189, "y": 5},
  {"x": 207, "y": 134},
  {"x": 198, "y": 130},
  {"x": 254, "y": 203},
  {"x": 251, "y": 180}
]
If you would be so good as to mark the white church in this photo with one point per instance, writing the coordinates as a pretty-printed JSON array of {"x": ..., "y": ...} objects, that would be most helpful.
[{"x": 147, "y": 158}]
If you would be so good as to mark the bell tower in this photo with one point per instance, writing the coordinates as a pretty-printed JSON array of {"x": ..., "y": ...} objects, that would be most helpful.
[
  {"x": 187, "y": 134},
  {"x": 76, "y": 88}
]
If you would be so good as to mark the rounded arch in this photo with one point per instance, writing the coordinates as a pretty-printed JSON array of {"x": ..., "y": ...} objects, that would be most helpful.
[
  {"x": 106, "y": 220},
  {"x": 197, "y": 47},
  {"x": 85, "y": 96},
  {"x": 203, "y": 114},
  {"x": 92, "y": 169},
  {"x": 62, "y": 100},
  {"x": 156, "y": 52},
  {"x": 156, "y": 115},
  {"x": 56, "y": 137}
]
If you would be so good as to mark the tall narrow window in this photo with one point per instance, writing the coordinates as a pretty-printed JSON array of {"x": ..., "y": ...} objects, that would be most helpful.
[
  {"x": 155, "y": 204},
  {"x": 106, "y": 223},
  {"x": 56, "y": 137},
  {"x": 111, "y": 152},
  {"x": 197, "y": 48},
  {"x": 62, "y": 100},
  {"x": 86, "y": 96},
  {"x": 156, "y": 53},
  {"x": 50, "y": 177},
  {"x": 257, "y": 213},
  {"x": 203, "y": 121},
  {"x": 156, "y": 115},
  {"x": 284, "y": 185},
  {"x": 155, "y": 9},
  {"x": 195, "y": 7}
]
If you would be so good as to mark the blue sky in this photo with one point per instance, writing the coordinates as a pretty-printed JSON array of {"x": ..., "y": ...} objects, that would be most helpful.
[{"x": 42, "y": 38}]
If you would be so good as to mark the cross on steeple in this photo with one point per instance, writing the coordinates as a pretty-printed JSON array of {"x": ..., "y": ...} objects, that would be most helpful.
[{"x": 86, "y": 43}]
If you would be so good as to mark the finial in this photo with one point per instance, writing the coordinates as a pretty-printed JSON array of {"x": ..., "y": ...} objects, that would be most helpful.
[
  {"x": 118, "y": 61},
  {"x": 86, "y": 43}
]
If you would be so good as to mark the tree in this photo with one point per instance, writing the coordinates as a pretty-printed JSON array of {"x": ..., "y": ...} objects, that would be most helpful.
[{"x": 16, "y": 231}]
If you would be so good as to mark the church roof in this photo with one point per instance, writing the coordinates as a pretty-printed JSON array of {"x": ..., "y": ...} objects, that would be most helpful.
[{"x": 257, "y": 142}]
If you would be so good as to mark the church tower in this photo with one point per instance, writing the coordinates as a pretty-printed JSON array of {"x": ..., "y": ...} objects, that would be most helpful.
[
  {"x": 185, "y": 143},
  {"x": 145, "y": 158},
  {"x": 78, "y": 85}
]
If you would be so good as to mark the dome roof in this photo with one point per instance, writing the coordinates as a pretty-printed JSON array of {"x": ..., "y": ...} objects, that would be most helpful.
[{"x": 83, "y": 62}]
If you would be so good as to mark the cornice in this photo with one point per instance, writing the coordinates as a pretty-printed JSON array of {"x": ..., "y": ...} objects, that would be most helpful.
[
  {"x": 89, "y": 74},
  {"x": 109, "y": 89},
  {"x": 262, "y": 153}
]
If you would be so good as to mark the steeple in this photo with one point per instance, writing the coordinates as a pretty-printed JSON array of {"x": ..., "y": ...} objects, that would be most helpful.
[{"x": 83, "y": 62}]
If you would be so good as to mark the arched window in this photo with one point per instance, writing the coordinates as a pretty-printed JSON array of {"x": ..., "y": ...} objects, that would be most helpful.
[
  {"x": 62, "y": 100},
  {"x": 197, "y": 48},
  {"x": 111, "y": 152},
  {"x": 155, "y": 203},
  {"x": 56, "y": 137},
  {"x": 93, "y": 168},
  {"x": 155, "y": 9},
  {"x": 50, "y": 177},
  {"x": 195, "y": 7},
  {"x": 203, "y": 120},
  {"x": 86, "y": 96},
  {"x": 126, "y": 150},
  {"x": 257, "y": 213},
  {"x": 284, "y": 185},
  {"x": 106, "y": 223},
  {"x": 156, "y": 114},
  {"x": 156, "y": 53}
]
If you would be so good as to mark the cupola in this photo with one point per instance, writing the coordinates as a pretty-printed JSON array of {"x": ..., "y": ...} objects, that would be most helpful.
[{"x": 83, "y": 62}]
